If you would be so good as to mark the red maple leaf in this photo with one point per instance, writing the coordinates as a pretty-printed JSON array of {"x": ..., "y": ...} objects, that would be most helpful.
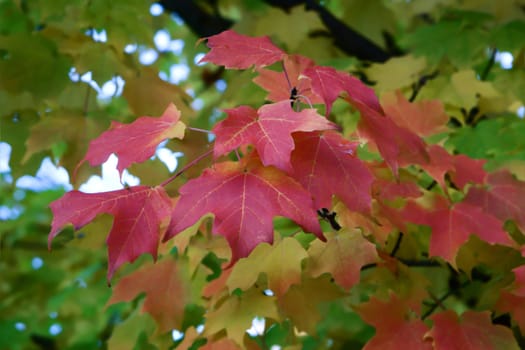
[
  {"x": 327, "y": 164},
  {"x": 505, "y": 199},
  {"x": 244, "y": 197},
  {"x": 233, "y": 50},
  {"x": 268, "y": 129},
  {"x": 473, "y": 331},
  {"x": 384, "y": 190},
  {"x": 328, "y": 83},
  {"x": 135, "y": 142},
  {"x": 140, "y": 214},
  {"x": 397, "y": 145},
  {"x": 452, "y": 226},
  {"x": 462, "y": 169},
  {"x": 393, "y": 326},
  {"x": 424, "y": 118},
  {"x": 167, "y": 288},
  {"x": 513, "y": 300},
  {"x": 280, "y": 84}
]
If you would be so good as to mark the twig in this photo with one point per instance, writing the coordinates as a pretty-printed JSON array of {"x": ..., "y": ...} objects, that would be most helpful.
[
  {"x": 186, "y": 167},
  {"x": 397, "y": 245},
  {"x": 416, "y": 87},
  {"x": 489, "y": 65},
  {"x": 199, "y": 130}
]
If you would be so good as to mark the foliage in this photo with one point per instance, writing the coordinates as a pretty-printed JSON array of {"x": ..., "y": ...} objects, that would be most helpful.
[{"x": 348, "y": 202}]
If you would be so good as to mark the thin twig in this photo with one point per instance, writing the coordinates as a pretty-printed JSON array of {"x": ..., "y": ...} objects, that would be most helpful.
[
  {"x": 416, "y": 87},
  {"x": 186, "y": 167},
  {"x": 397, "y": 245},
  {"x": 286, "y": 76},
  {"x": 489, "y": 65},
  {"x": 199, "y": 130}
]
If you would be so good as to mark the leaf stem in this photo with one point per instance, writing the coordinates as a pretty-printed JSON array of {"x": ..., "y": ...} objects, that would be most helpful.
[
  {"x": 490, "y": 64},
  {"x": 397, "y": 245},
  {"x": 186, "y": 167},
  {"x": 199, "y": 130},
  {"x": 286, "y": 76}
]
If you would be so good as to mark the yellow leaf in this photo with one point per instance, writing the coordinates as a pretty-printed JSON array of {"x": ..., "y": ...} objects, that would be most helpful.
[
  {"x": 147, "y": 94},
  {"x": 280, "y": 262},
  {"x": 343, "y": 256},
  {"x": 301, "y": 302},
  {"x": 236, "y": 313},
  {"x": 397, "y": 72}
]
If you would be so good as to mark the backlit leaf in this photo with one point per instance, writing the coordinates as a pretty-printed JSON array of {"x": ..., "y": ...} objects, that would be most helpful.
[
  {"x": 238, "y": 51},
  {"x": 343, "y": 256},
  {"x": 135, "y": 142},
  {"x": 236, "y": 313},
  {"x": 281, "y": 263},
  {"x": 268, "y": 129},
  {"x": 424, "y": 118},
  {"x": 453, "y": 224},
  {"x": 315, "y": 160},
  {"x": 140, "y": 217},
  {"x": 244, "y": 197},
  {"x": 166, "y": 285}
]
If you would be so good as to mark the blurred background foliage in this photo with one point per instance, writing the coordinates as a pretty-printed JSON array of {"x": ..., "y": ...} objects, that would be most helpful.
[{"x": 68, "y": 68}]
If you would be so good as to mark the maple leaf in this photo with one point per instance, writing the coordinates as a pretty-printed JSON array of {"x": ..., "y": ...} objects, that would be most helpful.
[
  {"x": 374, "y": 224},
  {"x": 139, "y": 213},
  {"x": 244, "y": 197},
  {"x": 268, "y": 129},
  {"x": 513, "y": 300},
  {"x": 452, "y": 226},
  {"x": 236, "y": 313},
  {"x": 390, "y": 319},
  {"x": 474, "y": 331},
  {"x": 397, "y": 145},
  {"x": 328, "y": 83},
  {"x": 505, "y": 199},
  {"x": 312, "y": 292},
  {"x": 343, "y": 256},
  {"x": 461, "y": 168},
  {"x": 167, "y": 288},
  {"x": 233, "y": 50},
  {"x": 135, "y": 142},
  {"x": 424, "y": 118},
  {"x": 389, "y": 190},
  {"x": 315, "y": 160},
  {"x": 281, "y": 263},
  {"x": 280, "y": 84}
]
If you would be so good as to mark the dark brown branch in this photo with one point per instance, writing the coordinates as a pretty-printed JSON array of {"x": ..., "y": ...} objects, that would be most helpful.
[
  {"x": 200, "y": 22},
  {"x": 204, "y": 23},
  {"x": 347, "y": 39}
]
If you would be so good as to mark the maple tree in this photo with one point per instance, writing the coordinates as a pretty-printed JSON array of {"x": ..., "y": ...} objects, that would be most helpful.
[{"x": 343, "y": 215}]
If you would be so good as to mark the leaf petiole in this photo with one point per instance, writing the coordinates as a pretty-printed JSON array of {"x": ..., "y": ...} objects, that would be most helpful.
[{"x": 186, "y": 167}]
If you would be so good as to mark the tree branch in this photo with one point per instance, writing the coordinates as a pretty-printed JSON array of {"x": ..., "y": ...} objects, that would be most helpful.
[
  {"x": 204, "y": 24},
  {"x": 200, "y": 22}
]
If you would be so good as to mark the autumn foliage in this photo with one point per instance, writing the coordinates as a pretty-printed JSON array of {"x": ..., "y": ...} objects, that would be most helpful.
[{"x": 296, "y": 213}]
